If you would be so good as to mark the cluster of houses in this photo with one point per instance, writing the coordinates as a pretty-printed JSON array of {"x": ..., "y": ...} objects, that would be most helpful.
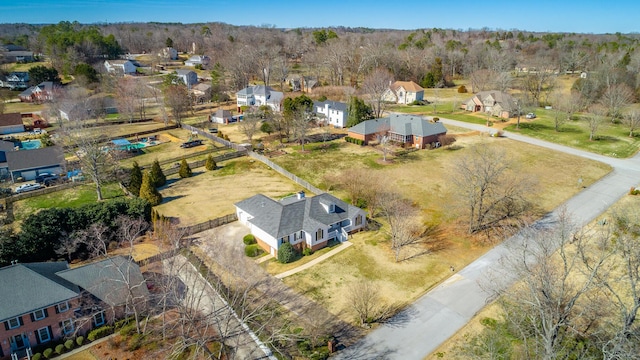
[{"x": 48, "y": 301}]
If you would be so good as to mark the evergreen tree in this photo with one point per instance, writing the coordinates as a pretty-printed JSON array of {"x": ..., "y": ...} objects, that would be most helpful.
[
  {"x": 185, "y": 170},
  {"x": 148, "y": 191},
  {"x": 135, "y": 179},
  {"x": 359, "y": 111},
  {"x": 157, "y": 176},
  {"x": 210, "y": 164}
]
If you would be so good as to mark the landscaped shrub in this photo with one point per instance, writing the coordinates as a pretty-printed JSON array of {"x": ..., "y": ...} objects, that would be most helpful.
[
  {"x": 226, "y": 137},
  {"x": 59, "y": 349},
  {"x": 252, "y": 250},
  {"x": 210, "y": 164},
  {"x": 462, "y": 89},
  {"x": 307, "y": 252},
  {"x": 249, "y": 239},
  {"x": 128, "y": 329},
  {"x": 36, "y": 356},
  {"x": 185, "y": 170},
  {"x": 286, "y": 253},
  {"x": 69, "y": 344},
  {"x": 148, "y": 190},
  {"x": 157, "y": 176},
  {"x": 135, "y": 342},
  {"x": 80, "y": 340},
  {"x": 220, "y": 134},
  {"x": 100, "y": 332},
  {"x": 47, "y": 353},
  {"x": 435, "y": 119}
]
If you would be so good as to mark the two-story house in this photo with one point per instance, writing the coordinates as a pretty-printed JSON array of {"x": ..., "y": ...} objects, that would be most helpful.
[
  {"x": 304, "y": 222},
  {"x": 121, "y": 67},
  {"x": 403, "y": 92},
  {"x": 18, "y": 80},
  {"x": 496, "y": 103},
  {"x": 335, "y": 113},
  {"x": 258, "y": 95},
  {"x": 194, "y": 60},
  {"x": 43, "y": 302},
  {"x": 43, "y": 92},
  {"x": 188, "y": 77}
]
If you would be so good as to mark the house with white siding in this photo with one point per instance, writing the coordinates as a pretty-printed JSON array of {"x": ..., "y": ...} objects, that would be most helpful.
[{"x": 335, "y": 113}]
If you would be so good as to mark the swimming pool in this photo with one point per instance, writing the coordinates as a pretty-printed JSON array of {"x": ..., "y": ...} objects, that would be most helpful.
[{"x": 30, "y": 144}]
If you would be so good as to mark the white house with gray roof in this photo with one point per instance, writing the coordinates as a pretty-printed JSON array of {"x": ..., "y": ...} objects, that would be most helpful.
[
  {"x": 334, "y": 112},
  {"x": 258, "y": 95},
  {"x": 304, "y": 222},
  {"x": 403, "y": 129}
]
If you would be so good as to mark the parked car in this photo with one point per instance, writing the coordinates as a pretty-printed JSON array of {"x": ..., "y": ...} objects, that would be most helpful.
[
  {"x": 27, "y": 187},
  {"x": 530, "y": 116},
  {"x": 213, "y": 130},
  {"x": 190, "y": 144},
  {"x": 47, "y": 179}
]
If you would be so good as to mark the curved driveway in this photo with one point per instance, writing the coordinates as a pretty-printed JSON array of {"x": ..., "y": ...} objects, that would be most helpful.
[{"x": 421, "y": 328}]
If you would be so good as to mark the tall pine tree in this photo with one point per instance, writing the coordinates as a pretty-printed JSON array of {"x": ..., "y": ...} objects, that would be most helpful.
[
  {"x": 135, "y": 179},
  {"x": 157, "y": 176},
  {"x": 148, "y": 190},
  {"x": 185, "y": 170}
]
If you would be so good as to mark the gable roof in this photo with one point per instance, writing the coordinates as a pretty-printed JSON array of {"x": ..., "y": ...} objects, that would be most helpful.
[
  {"x": 335, "y": 105},
  {"x": 29, "y": 287},
  {"x": 400, "y": 124},
  {"x": 507, "y": 101},
  {"x": 36, "y": 158},
  {"x": 220, "y": 113},
  {"x": 109, "y": 280},
  {"x": 290, "y": 215},
  {"x": 185, "y": 72},
  {"x": 10, "y": 119},
  {"x": 407, "y": 85},
  {"x": 257, "y": 90}
]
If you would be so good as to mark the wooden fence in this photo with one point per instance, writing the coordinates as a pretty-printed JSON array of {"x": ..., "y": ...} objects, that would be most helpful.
[
  {"x": 209, "y": 224},
  {"x": 214, "y": 137},
  {"x": 284, "y": 172},
  {"x": 47, "y": 190},
  {"x": 196, "y": 164}
]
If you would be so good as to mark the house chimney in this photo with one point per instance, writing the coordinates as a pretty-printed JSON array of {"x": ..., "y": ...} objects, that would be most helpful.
[{"x": 300, "y": 195}]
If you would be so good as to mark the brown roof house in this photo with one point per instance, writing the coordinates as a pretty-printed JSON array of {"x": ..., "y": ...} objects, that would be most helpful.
[
  {"x": 497, "y": 103},
  {"x": 408, "y": 130},
  {"x": 11, "y": 123},
  {"x": 403, "y": 92}
]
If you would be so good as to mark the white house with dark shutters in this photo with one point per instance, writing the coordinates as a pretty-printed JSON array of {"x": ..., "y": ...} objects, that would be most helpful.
[{"x": 335, "y": 113}]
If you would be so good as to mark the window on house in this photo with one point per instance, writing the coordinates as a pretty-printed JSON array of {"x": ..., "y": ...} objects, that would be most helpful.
[
  {"x": 67, "y": 326},
  {"x": 39, "y": 314},
  {"x": 98, "y": 319},
  {"x": 14, "y": 323},
  {"x": 319, "y": 234},
  {"x": 358, "y": 220},
  {"x": 43, "y": 335},
  {"x": 62, "y": 307}
]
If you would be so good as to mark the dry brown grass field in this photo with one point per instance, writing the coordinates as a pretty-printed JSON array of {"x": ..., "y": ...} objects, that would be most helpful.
[{"x": 211, "y": 194}]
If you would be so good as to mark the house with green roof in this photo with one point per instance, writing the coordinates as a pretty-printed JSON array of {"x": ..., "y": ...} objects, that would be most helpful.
[
  {"x": 304, "y": 222},
  {"x": 408, "y": 130}
]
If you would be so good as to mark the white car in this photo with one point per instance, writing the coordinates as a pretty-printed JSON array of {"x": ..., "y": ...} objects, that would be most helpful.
[
  {"x": 27, "y": 187},
  {"x": 530, "y": 116}
]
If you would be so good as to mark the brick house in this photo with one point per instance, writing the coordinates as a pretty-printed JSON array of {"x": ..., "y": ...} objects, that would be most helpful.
[
  {"x": 497, "y": 103},
  {"x": 408, "y": 130},
  {"x": 47, "y": 301},
  {"x": 304, "y": 222}
]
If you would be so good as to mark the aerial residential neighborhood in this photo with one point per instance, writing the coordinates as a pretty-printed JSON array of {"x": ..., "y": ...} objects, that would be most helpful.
[{"x": 185, "y": 188}]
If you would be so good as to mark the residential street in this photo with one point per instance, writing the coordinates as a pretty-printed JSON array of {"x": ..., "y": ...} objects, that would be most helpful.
[
  {"x": 422, "y": 327},
  {"x": 204, "y": 297}
]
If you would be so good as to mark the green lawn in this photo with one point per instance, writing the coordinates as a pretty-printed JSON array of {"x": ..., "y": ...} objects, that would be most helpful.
[
  {"x": 68, "y": 198},
  {"x": 611, "y": 139}
]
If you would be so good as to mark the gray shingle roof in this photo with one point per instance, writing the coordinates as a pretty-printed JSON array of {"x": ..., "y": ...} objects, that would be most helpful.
[
  {"x": 109, "y": 280},
  {"x": 505, "y": 100},
  {"x": 290, "y": 215},
  {"x": 335, "y": 105},
  {"x": 37, "y": 158},
  {"x": 184, "y": 71},
  {"x": 400, "y": 124},
  {"x": 29, "y": 287},
  {"x": 256, "y": 90}
]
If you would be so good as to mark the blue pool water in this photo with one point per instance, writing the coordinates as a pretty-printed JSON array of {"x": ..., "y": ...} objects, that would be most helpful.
[{"x": 30, "y": 144}]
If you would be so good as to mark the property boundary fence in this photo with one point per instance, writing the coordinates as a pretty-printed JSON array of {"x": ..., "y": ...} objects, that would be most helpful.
[
  {"x": 284, "y": 172},
  {"x": 213, "y": 137},
  {"x": 200, "y": 163},
  {"x": 158, "y": 257},
  {"x": 209, "y": 224},
  {"x": 47, "y": 190}
]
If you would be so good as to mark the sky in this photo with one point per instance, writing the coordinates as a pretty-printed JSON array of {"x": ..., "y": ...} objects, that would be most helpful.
[{"x": 585, "y": 16}]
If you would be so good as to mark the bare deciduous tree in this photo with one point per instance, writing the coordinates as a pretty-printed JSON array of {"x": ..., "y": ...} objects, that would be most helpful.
[
  {"x": 403, "y": 223},
  {"x": 631, "y": 120},
  {"x": 492, "y": 193},
  {"x": 595, "y": 120},
  {"x": 250, "y": 124},
  {"x": 615, "y": 98},
  {"x": 364, "y": 298},
  {"x": 374, "y": 86}
]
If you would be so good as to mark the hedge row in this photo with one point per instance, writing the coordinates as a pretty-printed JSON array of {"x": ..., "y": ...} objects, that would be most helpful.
[{"x": 354, "y": 140}]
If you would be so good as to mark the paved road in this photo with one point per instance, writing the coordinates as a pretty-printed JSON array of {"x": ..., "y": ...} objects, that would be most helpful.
[
  {"x": 201, "y": 295},
  {"x": 421, "y": 328}
]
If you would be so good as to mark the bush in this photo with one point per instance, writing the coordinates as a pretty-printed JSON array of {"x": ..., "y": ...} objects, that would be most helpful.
[
  {"x": 148, "y": 191},
  {"x": 157, "y": 176},
  {"x": 59, "y": 349},
  {"x": 435, "y": 119},
  {"x": 286, "y": 253},
  {"x": 249, "y": 239},
  {"x": 128, "y": 329},
  {"x": 185, "y": 170},
  {"x": 307, "y": 252},
  {"x": 47, "y": 353},
  {"x": 226, "y": 137},
  {"x": 80, "y": 340},
  {"x": 462, "y": 89},
  {"x": 36, "y": 356},
  {"x": 210, "y": 164},
  {"x": 135, "y": 342},
  {"x": 100, "y": 332},
  {"x": 69, "y": 344},
  {"x": 252, "y": 250}
]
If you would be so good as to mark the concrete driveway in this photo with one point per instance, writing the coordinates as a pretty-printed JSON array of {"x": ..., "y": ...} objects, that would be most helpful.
[{"x": 421, "y": 328}]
